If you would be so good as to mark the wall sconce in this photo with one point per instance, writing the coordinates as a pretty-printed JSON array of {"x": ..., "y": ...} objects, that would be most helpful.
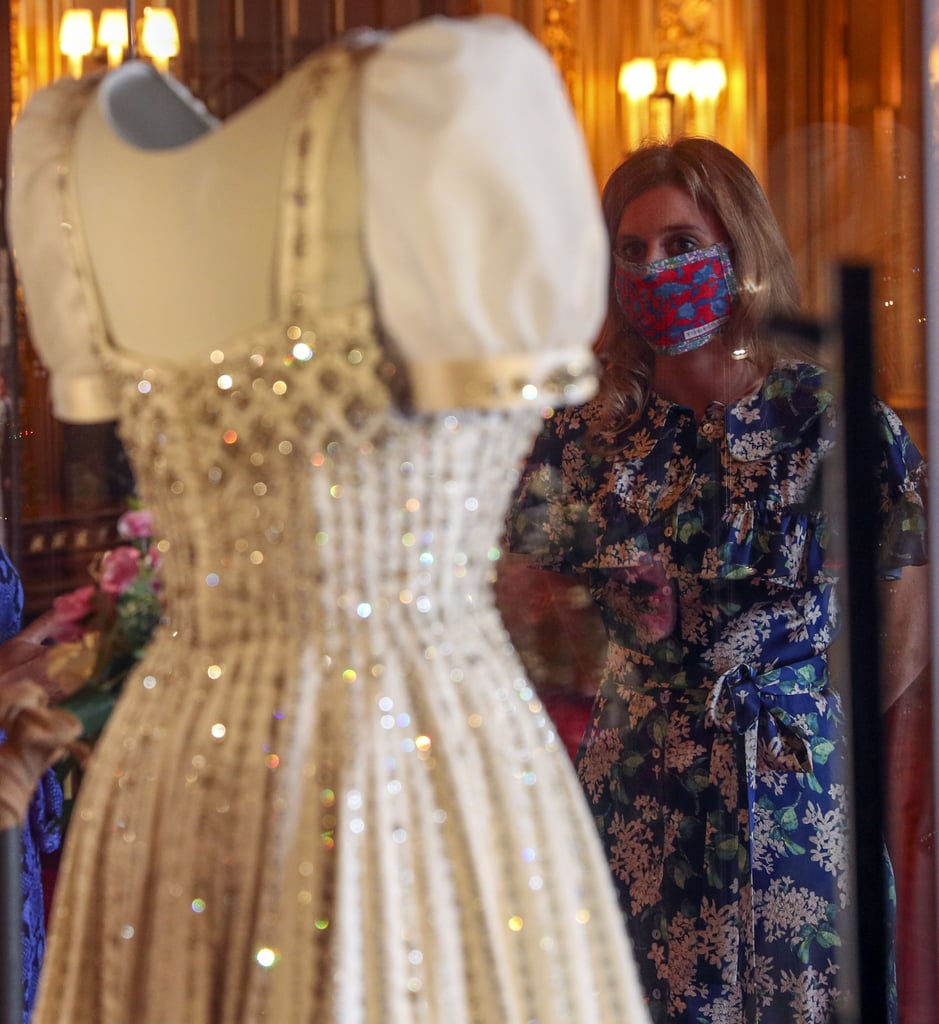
[
  {"x": 709, "y": 80},
  {"x": 113, "y": 34},
  {"x": 160, "y": 36},
  {"x": 637, "y": 82},
  {"x": 665, "y": 113},
  {"x": 76, "y": 37}
]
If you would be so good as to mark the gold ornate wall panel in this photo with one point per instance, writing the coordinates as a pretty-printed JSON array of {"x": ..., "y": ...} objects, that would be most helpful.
[{"x": 591, "y": 39}]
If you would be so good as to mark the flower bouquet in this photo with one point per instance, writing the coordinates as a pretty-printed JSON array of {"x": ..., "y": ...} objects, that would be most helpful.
[{"x": 101, "y": 630}]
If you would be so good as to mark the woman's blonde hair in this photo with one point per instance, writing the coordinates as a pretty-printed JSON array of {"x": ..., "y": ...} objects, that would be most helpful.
[{"x": 722, "y": 185}]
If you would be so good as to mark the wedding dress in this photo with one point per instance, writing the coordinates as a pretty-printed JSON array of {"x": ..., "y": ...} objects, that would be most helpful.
[{"x": 329, "y": 792}]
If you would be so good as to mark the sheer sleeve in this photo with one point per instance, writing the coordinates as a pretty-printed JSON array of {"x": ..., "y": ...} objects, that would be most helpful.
[
  {"x": 902, "y": 478},
  {"x": 549, "y": 519}
]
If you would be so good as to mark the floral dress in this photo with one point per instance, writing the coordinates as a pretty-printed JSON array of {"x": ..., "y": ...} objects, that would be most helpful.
[
  {"x": 715, "y": 758},
  {"x": 41, "y": 830}
]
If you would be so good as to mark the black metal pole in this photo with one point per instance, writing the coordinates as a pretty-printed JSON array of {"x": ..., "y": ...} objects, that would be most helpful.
[
  {"x": 131, "y": 31},
  {"x": 11, "y": 927},
  {"x": 860, "y": 448}
]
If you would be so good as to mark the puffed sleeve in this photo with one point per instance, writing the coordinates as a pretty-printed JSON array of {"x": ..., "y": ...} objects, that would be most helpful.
[
  {"x": 482, "y": 221},
  {"x": 902, "y": 479},
  {"x": 65, "y": 329}
]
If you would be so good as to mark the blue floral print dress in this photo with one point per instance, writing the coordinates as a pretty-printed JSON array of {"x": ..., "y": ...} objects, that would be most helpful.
[
  {"x": 714, "y": 760},
  {"x": 41, "y": 832}
]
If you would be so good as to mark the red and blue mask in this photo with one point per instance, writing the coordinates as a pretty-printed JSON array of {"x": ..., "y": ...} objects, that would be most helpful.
[{"x": 679, "y": 303}]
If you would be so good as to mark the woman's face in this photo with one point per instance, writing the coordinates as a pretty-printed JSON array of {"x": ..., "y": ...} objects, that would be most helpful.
[{"x": 665, "y": 222}]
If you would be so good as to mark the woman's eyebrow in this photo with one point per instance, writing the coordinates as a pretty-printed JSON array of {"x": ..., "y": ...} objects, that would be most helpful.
[{"x": 666, "y": 229}]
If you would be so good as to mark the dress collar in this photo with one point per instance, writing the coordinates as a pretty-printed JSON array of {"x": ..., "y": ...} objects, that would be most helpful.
[
  {"x": 779, "y": 413},
  {"x": 770, "y": 419}
]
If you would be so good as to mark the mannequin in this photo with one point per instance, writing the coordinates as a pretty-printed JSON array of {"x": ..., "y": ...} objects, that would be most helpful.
[
  {"x": 180, "y": 176},
  {"x": 327, "y": 794}
]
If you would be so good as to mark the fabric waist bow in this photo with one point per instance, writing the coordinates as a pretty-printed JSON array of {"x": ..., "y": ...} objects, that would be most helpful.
[
  {"x": 773, "y": 710},
  {"x": 784, "y": 717}
]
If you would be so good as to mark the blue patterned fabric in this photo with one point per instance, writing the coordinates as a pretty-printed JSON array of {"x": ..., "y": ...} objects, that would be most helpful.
[
  {"x": 41, "y": 833},
  {"x": 715, "y": 758}
]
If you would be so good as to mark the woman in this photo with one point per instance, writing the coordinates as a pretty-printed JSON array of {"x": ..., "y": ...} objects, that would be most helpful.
[
  {"x": 32, "y": 737},
  {"x": 686, "y": 495}
]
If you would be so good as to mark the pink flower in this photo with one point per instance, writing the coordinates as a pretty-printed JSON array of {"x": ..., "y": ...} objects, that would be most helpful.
[
  {"x": 68, "y": 612},
  {"x": 118, "y": 569},
  {"x": 135, "y": 524}
]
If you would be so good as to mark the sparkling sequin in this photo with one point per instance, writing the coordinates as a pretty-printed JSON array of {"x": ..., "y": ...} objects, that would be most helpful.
[{"x": 266, "y": 957}]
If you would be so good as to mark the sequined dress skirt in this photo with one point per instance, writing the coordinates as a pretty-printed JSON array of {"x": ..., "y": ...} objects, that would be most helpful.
[{"x": 336, "y": 797}]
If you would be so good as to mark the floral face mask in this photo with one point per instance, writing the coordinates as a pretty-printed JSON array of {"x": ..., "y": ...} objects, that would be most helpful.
[{"x": 679, "y": 303}]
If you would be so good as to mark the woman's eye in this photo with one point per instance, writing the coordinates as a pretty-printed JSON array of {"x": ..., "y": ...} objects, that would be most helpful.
[
  {"x": 633, "y": 251},
  {"x": 678, "y": 246}
]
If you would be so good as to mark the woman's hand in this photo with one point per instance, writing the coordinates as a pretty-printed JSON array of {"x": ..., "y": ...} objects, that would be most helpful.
[
  {"x": 24, "y": 657},
  {"x": 905, "y": 634},
  {"x": 36, "y": 737}
]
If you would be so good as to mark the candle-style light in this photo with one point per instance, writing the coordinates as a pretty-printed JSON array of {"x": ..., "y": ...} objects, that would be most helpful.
[
  {"x": 160, "y": 36},
  {"x": 637, "y": 82},
  {"x": 113, "y": 34},
  {"x": 679, "y": 79},
  {"x": 709, "y": 81},
  {"x": 76, "y": 37}
]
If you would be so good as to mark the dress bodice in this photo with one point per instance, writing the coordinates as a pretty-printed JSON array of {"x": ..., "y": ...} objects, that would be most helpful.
[
  {"x": 286, "y": 432},
  {"x": 282, "y": 510},
  {"x": 410, "y": 176}
]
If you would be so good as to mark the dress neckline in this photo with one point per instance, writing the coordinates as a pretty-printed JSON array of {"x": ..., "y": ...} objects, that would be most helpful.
[{"x": 299, "y": 275}]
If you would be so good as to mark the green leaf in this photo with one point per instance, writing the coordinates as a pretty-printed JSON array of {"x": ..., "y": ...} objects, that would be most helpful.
[
  {"x": 787, "y": 818},
  {"x": 680, "y": 872},
  {"x": 91, "y": 708},
  {"x": 822, "y": 750},
  {"x": 827, "y": 939},
  {"x": 726, "y": 849},
  {"x": 738, "y": 572}
]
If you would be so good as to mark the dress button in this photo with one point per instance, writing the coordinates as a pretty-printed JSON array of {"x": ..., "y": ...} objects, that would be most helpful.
[{"x": 669, "y": 531}]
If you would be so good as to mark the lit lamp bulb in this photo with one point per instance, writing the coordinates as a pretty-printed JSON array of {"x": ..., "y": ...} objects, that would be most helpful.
[
  {"x": 679, "y": 80},
  {"x": 76, "y": 38},
  {"x": 113, "y": 34},
  {"x": 637, "y": 81},
  {"x": 160, "y": 36},
  {"x": 709, "y": 81}
]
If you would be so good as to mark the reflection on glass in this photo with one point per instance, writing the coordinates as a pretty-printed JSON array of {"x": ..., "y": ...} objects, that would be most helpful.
[{"x": 687, "y": 497}]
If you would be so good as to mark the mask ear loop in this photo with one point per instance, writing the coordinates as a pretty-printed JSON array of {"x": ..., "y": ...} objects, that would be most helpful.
[{"x": 741, "y": 352}]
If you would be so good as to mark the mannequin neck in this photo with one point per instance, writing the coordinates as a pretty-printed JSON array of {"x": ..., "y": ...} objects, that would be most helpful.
[{"x": 150, "y": 110}]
